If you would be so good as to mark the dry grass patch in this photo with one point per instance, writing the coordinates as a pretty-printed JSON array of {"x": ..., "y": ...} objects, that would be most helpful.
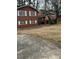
[{"x": 50, "y": 33}]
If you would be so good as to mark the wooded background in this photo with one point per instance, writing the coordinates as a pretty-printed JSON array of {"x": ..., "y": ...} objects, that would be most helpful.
[{"x": 54, "y": 5}]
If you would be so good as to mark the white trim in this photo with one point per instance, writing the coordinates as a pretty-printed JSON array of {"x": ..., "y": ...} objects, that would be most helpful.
[
  {"x": 35, "y": 21},
  {"x": 21, "y": 13},
  {"x": 18, "y": 13},
  {"x": 26, "y": 21},
  {"x": 25, "y": 13},
  {"x": 19, "y": 23},
  {"x": 30, "y": 21},
  {"x": 29, "y": 13},
  {"x": 35, "y": 13}
]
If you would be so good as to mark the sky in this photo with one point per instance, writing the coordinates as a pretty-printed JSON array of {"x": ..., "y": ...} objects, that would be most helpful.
[{"x": 41, "y": 2}]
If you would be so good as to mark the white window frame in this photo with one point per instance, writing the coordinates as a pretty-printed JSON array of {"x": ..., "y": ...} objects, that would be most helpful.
[
  {"x": 18, "y": 12},
  {"x": 18, "y": 22},
  {"x": 35, "y": 13},
  {"x": 25, "y": 13},
  {"x": 22, "y": 13},
  {"x": 26, "y": 22},
  {"x": 30, "y": 21},
  {"x": 29, "y": 13},
  {"x": 35, "y": 21}
]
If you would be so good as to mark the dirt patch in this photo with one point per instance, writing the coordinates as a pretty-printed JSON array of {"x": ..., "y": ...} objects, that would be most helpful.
[{"x": 30, "y": 47}]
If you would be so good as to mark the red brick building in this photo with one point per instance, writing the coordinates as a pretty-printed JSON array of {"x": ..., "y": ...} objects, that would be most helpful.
[{"x": 26, "y": 16}]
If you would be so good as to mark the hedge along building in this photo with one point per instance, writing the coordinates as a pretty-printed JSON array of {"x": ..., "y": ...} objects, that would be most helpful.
[{"x": 26, "y": 16}]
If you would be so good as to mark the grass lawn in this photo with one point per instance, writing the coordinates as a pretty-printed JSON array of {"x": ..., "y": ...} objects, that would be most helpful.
[{"x": 48, "y": 32}]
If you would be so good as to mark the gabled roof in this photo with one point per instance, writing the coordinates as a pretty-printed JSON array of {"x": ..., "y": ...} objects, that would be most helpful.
[{"x": 27, "y": 6}]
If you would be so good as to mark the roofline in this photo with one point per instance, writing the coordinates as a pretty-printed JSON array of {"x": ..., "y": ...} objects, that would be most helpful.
[{"x": 27, "y": 6}]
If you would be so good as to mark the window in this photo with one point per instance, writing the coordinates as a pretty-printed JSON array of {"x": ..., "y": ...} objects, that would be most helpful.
[
  {"x": 35, "y": 21},
  {"x": 26, "y": 22},
  {"x": 17, "y": 13},
  {"x": 32, "y": 13},
  {"x": 22, "y": 22},
  {"x": 29, "y": 13},
  {"x": 25, "y": 13},
  {"x": 30, "y": 22},
  {"x": 35, "y": 13},
  {"x": 18, "y": 22},
  {"x": 21, "y": 13}
]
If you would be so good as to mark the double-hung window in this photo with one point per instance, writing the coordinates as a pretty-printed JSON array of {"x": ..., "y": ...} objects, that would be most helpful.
[
  {"x": 22, "y": 22},
  {"x": 26, "y": 22},
  {"x": 35, "y": 13},
  {"x": 30, "y": 21},
  {"x": 30, "y": 13},
  {"x": 35, "y": 21},
  {"x": 25, "y": 13},
  {"x": 18, "y": 22},
  {"x": 17, "y": 13},
  {"x": 21, "y": 13}
]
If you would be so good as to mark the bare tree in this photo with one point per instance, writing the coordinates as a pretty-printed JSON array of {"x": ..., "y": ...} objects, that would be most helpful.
[
  {"x": 20, "y": 2},
  {"x": 23, "y": 2},
  {"x": 37, "y": 5}
]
